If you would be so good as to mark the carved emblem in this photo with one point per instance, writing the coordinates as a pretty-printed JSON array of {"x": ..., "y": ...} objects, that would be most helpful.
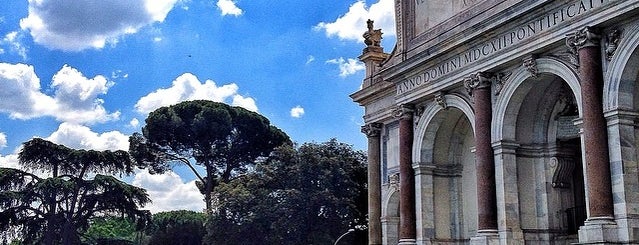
[
  {"x": 500, "y": 81},
  {"x": 530, "y": 63},
  {"x": 612, "y": 42},
  {"x": 393, "y": 180},
  {"x": 372, "y": 38},
  {"x": 441, "y": 100},
  {"x": 372, "y": 129}
]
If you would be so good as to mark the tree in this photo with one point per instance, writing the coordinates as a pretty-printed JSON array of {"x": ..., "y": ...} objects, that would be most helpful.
[
  {"x": 225, "y": 140},
  {"x": 309, "y": 195},
  {"x": 113, "y": 230},
  {"x": 57, "y": 209},
  {"x": 180, "y": 227}
]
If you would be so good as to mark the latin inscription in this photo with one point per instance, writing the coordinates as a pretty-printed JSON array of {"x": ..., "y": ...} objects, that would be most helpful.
[{"x": 504, "y": 40}]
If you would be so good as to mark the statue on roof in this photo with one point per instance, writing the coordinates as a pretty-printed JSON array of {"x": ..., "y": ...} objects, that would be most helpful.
[{"x": 372, "y": 37}]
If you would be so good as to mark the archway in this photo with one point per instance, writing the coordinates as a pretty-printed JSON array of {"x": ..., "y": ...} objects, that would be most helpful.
[
  {"x": 446, "y": 175},
  {"x": 537, "y": 116},
  {"x": 621, "y": 108},
  {"x": 390, "y": 218}
]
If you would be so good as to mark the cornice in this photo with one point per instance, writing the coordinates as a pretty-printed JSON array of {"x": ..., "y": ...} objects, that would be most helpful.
[{"x": 378, "y": 90}]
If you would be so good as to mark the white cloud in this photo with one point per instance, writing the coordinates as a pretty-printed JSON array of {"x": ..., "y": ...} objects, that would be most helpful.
[
  {"x": 188, "y": 87},
  {"x": 349, "y": 67},
  {"x": 9, "y": 161},
  {"x": 228, "y": 7},
  {"x": 3, "y": 140},
  {"x": 119, "y": 74},
  {"x": 352, "y": 25},
  {"x": 81, "y": 137},
  {"x": 134, "y": 123},
  {"x": 297, "y": 112},
  {"x": 169, "y": 192},
  {"x": 82, "y": 24},
  {"x": 310, "y": 59},
  {"x": 13, "y": 40},
  {"x": 75, "y": 97}
]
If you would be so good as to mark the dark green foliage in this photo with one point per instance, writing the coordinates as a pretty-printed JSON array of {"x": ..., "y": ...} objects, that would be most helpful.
[
  {"x": 309, "y": 195},
  {"x": 177, "y": 227},
  {"x": 57, "y": 209},
  {"x": 113, "y": 230},
  {"x": 225, "y": 140}
]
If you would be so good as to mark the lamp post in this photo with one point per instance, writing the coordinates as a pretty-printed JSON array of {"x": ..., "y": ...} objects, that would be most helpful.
[{"x": 342, "y": 236}]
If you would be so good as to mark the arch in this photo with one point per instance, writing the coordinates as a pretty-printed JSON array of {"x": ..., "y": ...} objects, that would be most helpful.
[
  {"x": 390, "y": 208},
  {"x": 505, "y": 113},
  {"x": 390, "y": 216},
  {"x": 428, "y": 123},
  {"x": 618, "y": 93}
]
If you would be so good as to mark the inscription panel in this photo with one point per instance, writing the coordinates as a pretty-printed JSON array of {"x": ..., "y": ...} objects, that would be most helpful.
[
  {"x": 499, "y": 41},
  {"x": 429, "y": 13}
]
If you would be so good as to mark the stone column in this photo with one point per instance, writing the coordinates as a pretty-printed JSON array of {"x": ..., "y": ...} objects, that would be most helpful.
[
  {"x": 599, "y": 227},
  {"x": 478, "y": 86},
  {"x": 407, "y": 229},
  {"x": 372, "y": 131},
  {"x": 597, "y": 161}
]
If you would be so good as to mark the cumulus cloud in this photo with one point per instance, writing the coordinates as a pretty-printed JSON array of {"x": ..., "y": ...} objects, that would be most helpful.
[
  {"x": 9, "y": 161},
  {"x": 347, "y": 67},
  {"x": 169, "y": 192},
  {"x": 228, "y": 7},
  {"x": 82, "y": 24},
  {"x": 352, "y": 25},
  {"x": 75, "y": 97},
  {"x": 81, "y": 137},
  {"x": 3, "y": 140},
  {"x": 188, "y": 87},
  {"x": 297, "y": 112}
]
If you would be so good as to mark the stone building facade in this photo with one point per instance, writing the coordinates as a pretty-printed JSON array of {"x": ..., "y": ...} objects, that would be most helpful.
[{"x": 504, "y": 122}]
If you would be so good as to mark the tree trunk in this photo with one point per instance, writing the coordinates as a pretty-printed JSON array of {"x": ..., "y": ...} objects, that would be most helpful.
[
  {"x": 68, "y": 234},
  {"x": 208, "y": 188}
]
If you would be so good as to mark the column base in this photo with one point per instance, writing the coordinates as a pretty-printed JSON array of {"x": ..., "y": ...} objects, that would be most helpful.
[
  {"x": 407, "y": 242},
  {"x": 598, "y": 230},
  {"x": 485, "y": 237}
]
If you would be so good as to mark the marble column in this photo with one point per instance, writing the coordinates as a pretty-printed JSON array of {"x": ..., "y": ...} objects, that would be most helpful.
[
  {"x": 478, "y": 85},
  {"x": 372, "y": 131},
  {"x": 597, "y": 162},
  {"x": 407, "y": 229},
  {"x": 600, "y": 227}
]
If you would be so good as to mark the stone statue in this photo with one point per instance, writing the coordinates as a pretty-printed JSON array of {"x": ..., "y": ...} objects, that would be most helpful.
[{"x": 372, "y": 37}]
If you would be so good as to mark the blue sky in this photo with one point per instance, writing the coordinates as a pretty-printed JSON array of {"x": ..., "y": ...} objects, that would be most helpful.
[{"x": 86, "y": 73}]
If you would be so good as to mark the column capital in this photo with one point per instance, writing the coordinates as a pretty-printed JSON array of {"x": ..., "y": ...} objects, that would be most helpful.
[
  {"x": 479, "y": 80},
  {"x": 587, "y": 37},
  {"x": 404, "y": 111},
  {"x": 372, "y": 129}
]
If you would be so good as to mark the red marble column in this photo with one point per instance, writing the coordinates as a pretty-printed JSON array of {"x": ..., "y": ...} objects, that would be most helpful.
[
  {"x": 597, "y": 160},
  {"x": 478, "y": 86},
  {"x": 407, "y": 228},
  {"x": 372, "y": 131}
]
